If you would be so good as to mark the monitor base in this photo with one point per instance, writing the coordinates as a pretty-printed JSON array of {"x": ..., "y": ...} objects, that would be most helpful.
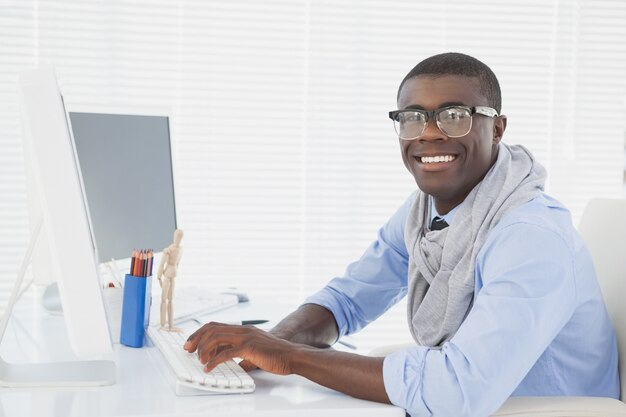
[{"x": 57, "y": 374}]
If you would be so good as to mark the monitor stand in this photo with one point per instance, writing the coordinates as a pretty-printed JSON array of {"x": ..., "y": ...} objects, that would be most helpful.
[
  {"x": 51, "y": 300},
  {"x": 53, "y": 374}
]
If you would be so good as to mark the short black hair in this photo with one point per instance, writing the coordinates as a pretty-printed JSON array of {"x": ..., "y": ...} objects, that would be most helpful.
[{"x": 454, "y": 63}]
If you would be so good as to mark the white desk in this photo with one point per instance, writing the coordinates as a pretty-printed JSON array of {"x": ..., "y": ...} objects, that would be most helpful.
[{"x": 143, "y": 387}]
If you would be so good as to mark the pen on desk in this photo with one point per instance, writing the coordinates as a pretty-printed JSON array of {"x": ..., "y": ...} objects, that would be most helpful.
[
  {"x": 250, "y": 322},
  {"x": 346, "y": 344}
]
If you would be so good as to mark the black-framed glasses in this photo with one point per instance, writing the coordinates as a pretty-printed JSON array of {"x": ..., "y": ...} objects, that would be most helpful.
[{"x": 453, "y": 121}]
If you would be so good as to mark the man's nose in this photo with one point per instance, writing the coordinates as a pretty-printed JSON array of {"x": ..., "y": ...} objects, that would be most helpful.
[{"x": 432, "y": 133}]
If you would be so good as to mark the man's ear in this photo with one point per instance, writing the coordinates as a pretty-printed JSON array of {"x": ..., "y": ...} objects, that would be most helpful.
[{"x": 499, "y": 126}]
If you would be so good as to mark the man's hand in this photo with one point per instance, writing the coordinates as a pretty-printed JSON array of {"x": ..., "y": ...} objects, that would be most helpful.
[
  {"x": 217, "y": 342},
  {"x": 298, "y": 345},
  {"x": 359, "y": 376}
]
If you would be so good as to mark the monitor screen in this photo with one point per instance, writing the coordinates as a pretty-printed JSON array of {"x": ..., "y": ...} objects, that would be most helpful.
[{"x": 126, "y": 166}]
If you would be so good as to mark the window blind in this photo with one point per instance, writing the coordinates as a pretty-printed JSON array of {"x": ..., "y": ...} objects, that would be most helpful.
[{"x": 285, "y": 161}]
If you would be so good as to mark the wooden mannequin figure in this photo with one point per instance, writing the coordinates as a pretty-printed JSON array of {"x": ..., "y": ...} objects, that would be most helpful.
[{"x": 168, "y": 269}]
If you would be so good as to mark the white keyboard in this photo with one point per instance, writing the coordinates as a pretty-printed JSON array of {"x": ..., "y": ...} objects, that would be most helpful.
[
  {"x": 190, "y": 302},
  {"x": 190, "y": 378}
]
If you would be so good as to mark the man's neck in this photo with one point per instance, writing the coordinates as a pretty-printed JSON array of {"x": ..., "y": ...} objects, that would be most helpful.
[{"x": 444, "y": 207}]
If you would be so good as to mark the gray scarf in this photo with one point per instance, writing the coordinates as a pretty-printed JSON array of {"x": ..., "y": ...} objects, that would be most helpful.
[{"x": 441, "y": 263}]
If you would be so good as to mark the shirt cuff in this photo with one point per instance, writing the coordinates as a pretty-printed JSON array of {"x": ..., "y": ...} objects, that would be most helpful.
[
  {"x": 403, "y": 376},
  {"x": 326, "y": 299}
]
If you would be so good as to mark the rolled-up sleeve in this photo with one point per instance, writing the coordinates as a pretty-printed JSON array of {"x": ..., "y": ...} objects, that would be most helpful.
[{"x": 527, "y": 294}]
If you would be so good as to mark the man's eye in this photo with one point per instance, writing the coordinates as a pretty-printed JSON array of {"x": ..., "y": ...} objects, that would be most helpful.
[
  {"x": 412, "y": 117},
  {"x": 453, "y": 115}
]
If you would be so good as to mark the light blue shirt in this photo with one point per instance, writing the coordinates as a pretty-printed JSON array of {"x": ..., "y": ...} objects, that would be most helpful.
[{"x": 538, "y": 325}]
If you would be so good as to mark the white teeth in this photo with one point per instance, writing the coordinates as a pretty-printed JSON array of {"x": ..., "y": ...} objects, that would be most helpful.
[{"x": 439, "y": 158}]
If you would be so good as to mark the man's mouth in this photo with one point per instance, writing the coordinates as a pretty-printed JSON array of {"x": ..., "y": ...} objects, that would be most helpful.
[{"x": 435, "y": 159}]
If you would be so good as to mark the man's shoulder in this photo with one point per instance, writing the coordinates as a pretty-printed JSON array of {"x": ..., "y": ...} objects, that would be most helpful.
[
  {"x": 535, "y": 234},
  {"x": 541, "y": 219},
  {"x": 544, "y": 212}
]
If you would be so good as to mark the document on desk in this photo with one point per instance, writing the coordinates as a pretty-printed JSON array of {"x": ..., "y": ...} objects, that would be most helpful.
[{"x": 192, "y": 301}]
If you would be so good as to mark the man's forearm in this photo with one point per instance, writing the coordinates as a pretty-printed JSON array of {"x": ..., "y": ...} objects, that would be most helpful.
[
  {"x": 355, "y": 375},
  {"x": 310, "y": 324},
  {"x": 277, "y": 352}
]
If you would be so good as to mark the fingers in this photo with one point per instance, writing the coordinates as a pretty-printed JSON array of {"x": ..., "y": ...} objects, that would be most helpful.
[
  {"x": 215, "y": 343},
  {"x": 213, "y": 338},
  {"x": 192, "y": 341},
  {"x": 223, "y": 356},
  {"x": 211, "y": 345}
]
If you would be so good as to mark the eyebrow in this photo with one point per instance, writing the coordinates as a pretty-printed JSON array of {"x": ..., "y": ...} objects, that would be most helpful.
[{"x": 442, "y": 105}]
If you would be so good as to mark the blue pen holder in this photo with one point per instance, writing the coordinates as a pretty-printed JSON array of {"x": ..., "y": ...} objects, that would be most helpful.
[{"x": 135, "y": 310}]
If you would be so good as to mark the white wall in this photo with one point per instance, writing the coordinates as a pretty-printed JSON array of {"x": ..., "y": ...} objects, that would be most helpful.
[{"x": 286, "y": 162}]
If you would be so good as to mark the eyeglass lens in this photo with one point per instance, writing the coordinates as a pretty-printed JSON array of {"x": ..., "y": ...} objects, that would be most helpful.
[{"x": 453, "y": 122}]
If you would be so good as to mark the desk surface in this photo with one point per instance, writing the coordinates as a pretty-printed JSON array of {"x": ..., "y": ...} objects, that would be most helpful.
[{"x": 144, "y": 384}]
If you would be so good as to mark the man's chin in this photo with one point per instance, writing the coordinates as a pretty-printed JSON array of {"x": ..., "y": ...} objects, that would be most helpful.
[{"x": 437, "y": 191}]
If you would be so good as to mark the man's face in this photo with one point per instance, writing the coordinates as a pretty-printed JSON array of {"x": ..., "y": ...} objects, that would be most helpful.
[{"x": 449, "y": 182}]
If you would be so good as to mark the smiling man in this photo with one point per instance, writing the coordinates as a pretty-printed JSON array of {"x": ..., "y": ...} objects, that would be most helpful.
[
  {"x": 502, "y": 297},
  {"x": 448, "y": 169}
]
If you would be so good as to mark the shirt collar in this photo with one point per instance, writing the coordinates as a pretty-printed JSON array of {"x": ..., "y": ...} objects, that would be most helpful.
[{"x": 447, "y": 217}]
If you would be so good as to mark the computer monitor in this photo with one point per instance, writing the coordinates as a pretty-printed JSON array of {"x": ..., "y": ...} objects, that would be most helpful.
[
  {"x": 126, "y": 166},
  {"x": 63, "y": 212}
]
